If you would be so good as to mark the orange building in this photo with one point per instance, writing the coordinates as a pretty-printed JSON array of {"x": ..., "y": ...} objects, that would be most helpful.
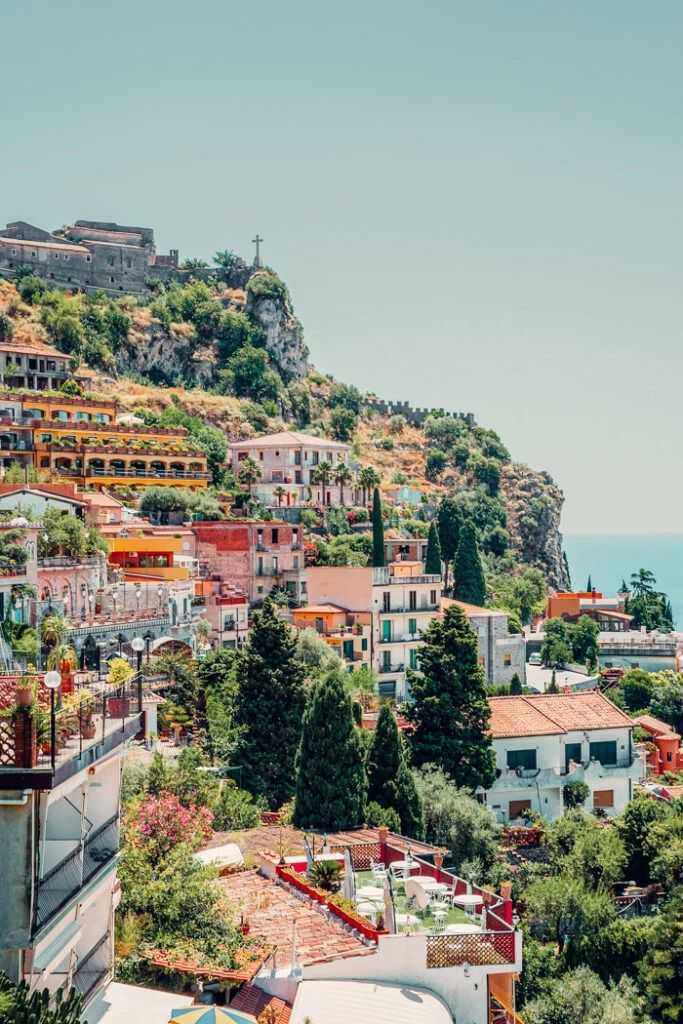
[
  {"x": 667, "y": 755},
  {"x": 349, "y": 634},
  {"x": 145, "y": 552}
]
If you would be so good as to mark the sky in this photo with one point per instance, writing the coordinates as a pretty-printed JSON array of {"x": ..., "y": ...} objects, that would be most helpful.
[{"x": 476, "y": 204}]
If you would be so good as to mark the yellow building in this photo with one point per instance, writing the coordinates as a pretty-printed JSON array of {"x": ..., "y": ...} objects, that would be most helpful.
[
  {"x": 145, "y": 552},
  {"x": 349, "y": 634}
]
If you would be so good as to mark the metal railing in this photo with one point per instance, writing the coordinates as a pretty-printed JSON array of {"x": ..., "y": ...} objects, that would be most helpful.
[
  {"x": 66, "y": 878},
  {"x": 385, "y": 670},
  {"x": 93, "y": 968}
]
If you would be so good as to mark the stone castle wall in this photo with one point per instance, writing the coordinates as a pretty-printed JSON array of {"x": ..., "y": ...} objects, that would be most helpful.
[{"x": 415, "y": 416}]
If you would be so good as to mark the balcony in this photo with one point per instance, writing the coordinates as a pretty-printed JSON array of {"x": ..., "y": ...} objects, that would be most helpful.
[
  {"x": 405, "y": 638},
  {"x": 391, "y": 670},
  {"x": 93, "y": 968},
  {"x": 68, "y": 877},
  {"x": 405, "y": 609},
  {"x": 40, "y": 750}
]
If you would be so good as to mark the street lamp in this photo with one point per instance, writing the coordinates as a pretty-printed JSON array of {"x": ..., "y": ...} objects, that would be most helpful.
[
  {"x": 138, "y": 595},
  {"x": 138, "y": 645},
  {"x": 160, "y": 594},
  {"x": 53, "y": 681}
]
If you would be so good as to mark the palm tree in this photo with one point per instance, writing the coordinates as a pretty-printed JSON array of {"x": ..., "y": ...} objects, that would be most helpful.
[
  {"x": 249, "y": 474},
  {"x": 342, "y": 476},
  {"x": 279, "y": 493},
  {"x": 368, "y": 478},
  {"x": 323, "y": 475},
  {"x": 62, "y": 656}
]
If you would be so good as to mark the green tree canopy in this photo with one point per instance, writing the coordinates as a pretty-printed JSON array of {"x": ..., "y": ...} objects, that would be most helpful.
[
  {"x": 330, "y": 775},
  {"x": 433, "y": 556},
  {"x": 450, "y": 711},
  {"x": 456, "y": 821},
  {"x": 390, "y": 782},
  {"x": 269, "y": 707},
  {"x": 469, "y": 584}
]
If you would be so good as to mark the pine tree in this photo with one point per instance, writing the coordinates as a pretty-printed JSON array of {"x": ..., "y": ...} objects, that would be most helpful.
[
  {"x": 515, "y": 685},
  {"x": 467, "y": 569},
  {"x": 390, "y": 781},
  {"x": 662, "y": 969},
  {"x": 269, "y": 707},
  {"x": 331, "y": 781},
  {"x": 377, "y": 530},
  {"x": 450, "y": 711},
  {"x": 433, "y": 557}
]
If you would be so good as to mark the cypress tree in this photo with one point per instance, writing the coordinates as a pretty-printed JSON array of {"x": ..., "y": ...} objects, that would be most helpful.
[
  {"x": 390, "y": 781},
  {"x": 515, "y": 685},
  {"x": 450, "y": 712},
  {"x": 377, "y": 530},
  {"x": 269, "y": 707},
  {"x": 433, "y": 557},
  {"x": 467, "y": 569},
  {"x": 589, "y": 584},
  {"x": 449, "y": 521},
  {"x": 330, "y": 774}
]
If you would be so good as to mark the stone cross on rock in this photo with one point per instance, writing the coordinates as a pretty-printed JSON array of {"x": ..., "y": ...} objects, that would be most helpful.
[{"x": 257, "y": 241}]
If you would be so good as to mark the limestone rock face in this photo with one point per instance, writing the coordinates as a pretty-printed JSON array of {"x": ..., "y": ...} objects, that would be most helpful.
[
  {"x": 284, "y": 333},
  {"x": 534, "y": 504}
]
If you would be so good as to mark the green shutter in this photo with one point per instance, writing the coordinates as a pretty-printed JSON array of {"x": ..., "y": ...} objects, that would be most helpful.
[
  {"x": 522, "y": 759},
  {"x": 572, "y": 752},
  {"x": 605, "y": 752}
]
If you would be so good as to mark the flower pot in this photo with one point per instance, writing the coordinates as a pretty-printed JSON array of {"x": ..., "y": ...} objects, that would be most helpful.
[
  {"x": 24, "y": 696},
  {"x": 88, "y": 729}
]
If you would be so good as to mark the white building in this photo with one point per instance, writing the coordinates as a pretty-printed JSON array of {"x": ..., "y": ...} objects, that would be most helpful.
[
  {"x": 59, "y": 822},
  {"x": 290, "y": 464},
  {"x": 544, "y": 742}
]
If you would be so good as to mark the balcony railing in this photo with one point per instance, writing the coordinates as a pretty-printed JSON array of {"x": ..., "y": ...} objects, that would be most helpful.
[
  {"x": 387, "y": 670},
  {"x": 406, "y": 609},
  {"x": 65, "y": 879},
  {"x": 128, "y": 473},
  {"x": 93, "y": 968}
]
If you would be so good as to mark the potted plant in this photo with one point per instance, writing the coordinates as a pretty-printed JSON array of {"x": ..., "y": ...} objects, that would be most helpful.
[
  {"x": 82, "y": 704},
  {"x": 25, "y": 690},
  {"x": 120, "y": 673}
]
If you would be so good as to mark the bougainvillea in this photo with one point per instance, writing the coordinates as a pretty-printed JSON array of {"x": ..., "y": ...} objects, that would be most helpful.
[{"x": 161, "y": 822}]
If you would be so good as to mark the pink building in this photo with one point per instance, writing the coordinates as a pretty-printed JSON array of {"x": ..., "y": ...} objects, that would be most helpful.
[{"x": 290, "y": 464}]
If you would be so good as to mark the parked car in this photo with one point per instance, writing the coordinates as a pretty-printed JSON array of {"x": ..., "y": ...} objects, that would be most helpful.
[{"x": 535, "y": 658}]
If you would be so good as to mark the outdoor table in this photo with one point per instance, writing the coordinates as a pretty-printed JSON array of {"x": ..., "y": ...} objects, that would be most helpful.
[
  {"x": 468, "y": 901},
  {"x": 403, "y": 865},
  {"x": 430, "y": 885},
  {"x": 407, "y": 919},
  {"x": 370, "y": 892},
  {"x": 462, "y": 929}
]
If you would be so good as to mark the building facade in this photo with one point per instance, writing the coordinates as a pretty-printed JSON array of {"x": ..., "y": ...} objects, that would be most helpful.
[
  {"x": 290, "y": 463},
  {"x": 501, "y": 654},
  {"x": 543, "y": 743},
  {"x": 347, "y": 633},
  {"x": 254, "y": 557}
]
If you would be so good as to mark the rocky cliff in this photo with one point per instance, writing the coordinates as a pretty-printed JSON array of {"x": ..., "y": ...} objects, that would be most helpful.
[{"x": 534, "y": 505}]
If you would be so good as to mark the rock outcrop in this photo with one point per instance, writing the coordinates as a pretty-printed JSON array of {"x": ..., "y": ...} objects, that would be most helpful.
[{"x": 534, "y": 503}]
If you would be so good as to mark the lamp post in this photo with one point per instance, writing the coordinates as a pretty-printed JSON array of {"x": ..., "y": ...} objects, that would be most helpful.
[
  {"x": 138, "y": 595},
  {"x": 84, "y": 591},
  {"x": 160, "y": 594},
  {"x": 138, "y": 645},
  {"x": 53, "y": 681}
]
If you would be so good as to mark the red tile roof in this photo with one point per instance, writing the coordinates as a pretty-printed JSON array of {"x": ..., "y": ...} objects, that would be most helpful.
[
  {"x": 551, "y": 714},
  {"x": 469, "y": 609},
  {"x": 34, "y": 350},
  {"x": 286, "y": 438},
  {"x": 273, "y": 909},
  {"x": 254, "y": 1000}
]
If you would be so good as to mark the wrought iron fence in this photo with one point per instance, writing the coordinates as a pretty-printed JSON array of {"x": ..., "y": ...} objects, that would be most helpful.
[{"x": 101, "y": 846}]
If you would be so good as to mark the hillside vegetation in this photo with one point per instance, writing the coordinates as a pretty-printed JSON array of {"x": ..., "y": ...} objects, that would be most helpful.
[{"x": 207, "y": 356}]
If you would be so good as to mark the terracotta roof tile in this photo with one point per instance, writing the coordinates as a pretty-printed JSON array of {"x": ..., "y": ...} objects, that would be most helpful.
[
  {"x": 551, "y": 714},
  {"x": 289, "y": 437},
  {"x": 255, "y": 1001},
  {"x": 273, "y": 910}
]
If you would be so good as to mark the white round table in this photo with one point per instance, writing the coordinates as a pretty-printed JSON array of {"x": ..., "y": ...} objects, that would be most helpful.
[
  {"x": 430, "y": 884},
  {"x": 370, "y": 892},
  {"x": 403, "y": 866},
  {"x": 462, "y": 929},
  {"x": 468, "y": 901}
]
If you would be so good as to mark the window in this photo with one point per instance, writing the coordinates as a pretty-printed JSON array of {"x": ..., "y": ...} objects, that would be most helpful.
[
  {"x": 432, "y": 597},
  {"x": 572, "y": 752},
  {"x": 241, "y": 456},
  {"x": 33, "y": 252},
  {"x": 88, "y": 259},
  {"x": 603, "y": 798},
  {"x": 605, "y": 752},
  {"x": 364, "y": 644},
  {"x": 275, "y": 536},
  {"x": 129, "y": 262},
  {"x": 111, "y": 279},
  {"x": 412, "y": 600},
  {"x": 110, "y": 261},
  {"x": 386, "y": 631},
  {"x": 386, "y": 601},
  {"x": 56, "y": 255},
  {"x": 507, "y": 659},
  {"x": 14, "y": 252},
  {"x": 413, "y": 657},
  {"x": 522, "y": 759},
  {"x": 66, "y": 256},
  {"x": 412, "y": 626},
  {"x": 46, "y": 438},
  {"x": 517, "y": 806},
  {"x": 275, "y": 565}
]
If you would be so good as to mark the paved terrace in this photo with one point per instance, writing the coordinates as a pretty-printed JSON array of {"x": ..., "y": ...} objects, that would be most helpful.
[{"x": 273, "y": 910}]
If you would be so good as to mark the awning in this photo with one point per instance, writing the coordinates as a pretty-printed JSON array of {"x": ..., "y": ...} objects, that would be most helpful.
[{"x": 368, "y": 1002}]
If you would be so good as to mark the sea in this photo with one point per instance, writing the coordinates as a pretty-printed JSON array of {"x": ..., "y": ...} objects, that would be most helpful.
[{"x": 610, "y": 558}]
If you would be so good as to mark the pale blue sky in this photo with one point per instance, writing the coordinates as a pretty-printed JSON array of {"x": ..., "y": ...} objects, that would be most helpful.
[{"x": 475, "y": 203}]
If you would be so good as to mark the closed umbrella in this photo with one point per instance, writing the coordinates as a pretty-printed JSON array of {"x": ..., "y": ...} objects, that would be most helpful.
[{"x": 211, "y": 1015}]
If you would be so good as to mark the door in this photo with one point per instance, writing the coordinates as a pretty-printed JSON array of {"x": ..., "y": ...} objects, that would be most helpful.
[
  {"x": 517, "y": 806},
  {"x": 386, "y": 631}
]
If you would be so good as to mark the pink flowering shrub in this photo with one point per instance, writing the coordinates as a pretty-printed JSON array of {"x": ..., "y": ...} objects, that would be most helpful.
[{"x": 162, "y": 822}]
